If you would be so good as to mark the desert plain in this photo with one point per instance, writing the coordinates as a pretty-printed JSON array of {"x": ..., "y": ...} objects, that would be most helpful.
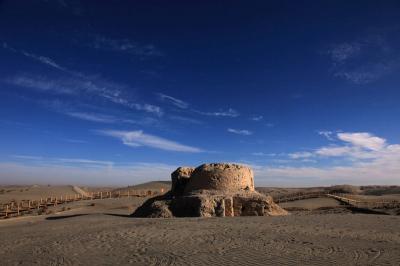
[{"x": 318, "y": 231}]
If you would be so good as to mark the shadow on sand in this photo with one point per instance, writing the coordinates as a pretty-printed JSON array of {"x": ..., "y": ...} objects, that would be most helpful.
[
  {"x": 366, "y": 211},
  {"x": 65, "y": 216},
  {"x": 119, "y": 215}
]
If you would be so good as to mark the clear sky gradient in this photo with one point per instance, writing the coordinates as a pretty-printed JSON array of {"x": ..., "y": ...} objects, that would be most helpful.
[{"x": 122, "y": 92}]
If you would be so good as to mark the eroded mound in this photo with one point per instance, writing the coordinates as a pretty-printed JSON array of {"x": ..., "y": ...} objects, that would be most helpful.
[
  {"x": 217, "y": 189},
  {"x": 221, "y": 176}
]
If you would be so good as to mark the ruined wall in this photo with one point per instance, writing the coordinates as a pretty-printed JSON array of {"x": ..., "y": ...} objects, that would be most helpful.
[
  {"x": 221, "y": 190},
  {"x": 180, "y": 178},
  {"x": 222, "y": 177}
]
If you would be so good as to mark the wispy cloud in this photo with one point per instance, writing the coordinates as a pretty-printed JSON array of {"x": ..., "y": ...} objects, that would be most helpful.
[
  {"x": 39, "y": 58},
  {"x": 300, "y": 155},
  {"x": 257, "y": 118},
  {"x": 365, "y": 59},
  {"x": 62, "y": 161},
  {"x": 124, "y": 45},
  {"x": 365, "y": 74},
  {"x": 104, "y": 118},
  {"x": 243, "y": 132},
  {"x": 174, "y": 101},
  {"x": 93, "y": 117},
  {"x": 76, "y": 83},
  {"x": 343, "y": 51},
  {"x": 270, "y": 125},
  {"x": 42, "y": 84},
  {"x": 185, "y": 119},
  {"x": 85, "y": 161},
  {"x": 139, "y": 138},
  {"x": 327, "y": 134},
  {"x": 43, "y": 59},
  {"x": 27, "y": 157},
  {"x": 228, "y": 113},
  {"x": 263, "y": 154},
  {"x": 90, "y": 86}
]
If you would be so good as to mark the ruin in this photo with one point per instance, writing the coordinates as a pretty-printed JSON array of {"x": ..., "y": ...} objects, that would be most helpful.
[{"x": 217, "y": 189}]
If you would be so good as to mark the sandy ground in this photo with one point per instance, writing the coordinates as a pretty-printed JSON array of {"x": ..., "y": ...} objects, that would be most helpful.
[
  {"x": 101, "y": 232},
  {"x": 311, "y": 204}
]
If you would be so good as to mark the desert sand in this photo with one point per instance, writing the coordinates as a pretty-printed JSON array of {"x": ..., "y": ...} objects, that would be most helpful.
[{"x": 102, "y": 232}]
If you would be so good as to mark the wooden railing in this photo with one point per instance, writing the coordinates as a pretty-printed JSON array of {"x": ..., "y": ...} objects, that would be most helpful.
[
  {"x": 298, "y": 196},
  {"x": 368, "y": 204},
  {"x": 22, "y": 207},
  {"x": 348, "y": 199}
]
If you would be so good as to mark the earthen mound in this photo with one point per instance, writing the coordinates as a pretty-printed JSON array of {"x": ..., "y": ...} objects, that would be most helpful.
[
  {"x": 222, "y": 177},
  {"x": 217, "y": 189}
]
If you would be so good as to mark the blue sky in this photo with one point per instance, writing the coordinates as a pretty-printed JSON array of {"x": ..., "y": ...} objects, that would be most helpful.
[{"x": 117, "y": 93}]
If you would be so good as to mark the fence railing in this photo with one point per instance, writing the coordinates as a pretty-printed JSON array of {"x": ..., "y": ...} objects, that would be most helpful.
[
  {"x": 368, "y": 204},
  {"x": 344, "y": 198},
  {"x": 298, "y": 196},
  {"x": 17, "y": 208}
]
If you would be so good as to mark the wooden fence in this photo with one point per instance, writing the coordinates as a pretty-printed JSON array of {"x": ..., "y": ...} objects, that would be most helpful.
[
  {"x": 22, "y": 207},
  {"x": 298, "y": 196},
  {"x": 365, "y": 204},
  {"x": 348, "y": 199}
]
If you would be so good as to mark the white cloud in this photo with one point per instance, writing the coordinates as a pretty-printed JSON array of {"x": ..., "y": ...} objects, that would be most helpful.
[
  {"x": 85, "y": 161},
  {"x": 257, "y": 118},
  {"x": 334, "y": 151},
  {"x": 45, "y": 60},
  {"x": 185, "y": 119},
  {"x": 41, "y": 84},
  {"x": 360, "y": 174},
  {"x": 27, "y": 157},
  {"x": 243, "y": 132},
  {"x": 93, "y": 117},
  {"x": 342, "y": 52},
  {"x": 124, "y": 45},
  {"x": 138, "y": 138},
  {"x": 326, "y": 134},
  {"x": 365, "y": 59},
  {"x": 109, "y": 91},
  {"x": 364, "y": 140},
  {"x": 177, "y": 102},
  {"x": 263, "y": 154},
  {"x": 42, "y": 59},
  {"x": 270, "y": 125},
  {"x": 78, "y": 82},
  {"x": 301, "y": 155},
  {"x": 365, "y": 74},
  {"x": 364, "y": 159},
  {"x": 41, "y": 160},
  {"x": 228, "y": 113}
]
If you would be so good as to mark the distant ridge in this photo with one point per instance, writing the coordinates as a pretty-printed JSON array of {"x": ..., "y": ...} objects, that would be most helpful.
[{"x": 152, "y": 185}]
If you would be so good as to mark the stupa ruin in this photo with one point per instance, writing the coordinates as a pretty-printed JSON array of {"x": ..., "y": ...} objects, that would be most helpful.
[{"x": 217, "y": 189}]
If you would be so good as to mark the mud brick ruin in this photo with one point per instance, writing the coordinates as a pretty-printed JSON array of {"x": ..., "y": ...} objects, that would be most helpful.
[{"x": 217, "y": 189}]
